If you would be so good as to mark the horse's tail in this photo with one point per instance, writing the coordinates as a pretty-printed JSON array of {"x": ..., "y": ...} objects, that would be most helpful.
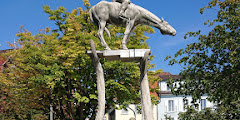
[{"x": 92, "y": 13}]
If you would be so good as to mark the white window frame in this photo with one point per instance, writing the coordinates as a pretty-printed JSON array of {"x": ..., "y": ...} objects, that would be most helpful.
[
  {"x": 170, "y": 103},
  {"x": 171, "y": 106},
  {"x": 203, "y": 104}
]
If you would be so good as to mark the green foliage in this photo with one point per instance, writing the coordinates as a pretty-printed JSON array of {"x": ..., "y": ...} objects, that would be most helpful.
[
  {"x": 52, "y": 68},
  {"x": 213, "y": 63},
  {"x": 205, "y": 114},
  {"x": 166, "y": 117}
]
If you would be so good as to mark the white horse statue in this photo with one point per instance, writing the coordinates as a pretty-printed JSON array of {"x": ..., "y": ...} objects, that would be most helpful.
[{"x": 108, "y": 12}]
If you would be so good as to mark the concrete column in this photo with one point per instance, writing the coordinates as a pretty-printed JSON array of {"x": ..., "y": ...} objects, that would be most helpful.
[
  {"x": 144, "y": 86},
  {"x": 100, "y": 83}
]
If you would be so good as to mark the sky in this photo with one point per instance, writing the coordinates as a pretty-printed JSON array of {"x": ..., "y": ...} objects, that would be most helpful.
[{"x": 183, "y": 15}]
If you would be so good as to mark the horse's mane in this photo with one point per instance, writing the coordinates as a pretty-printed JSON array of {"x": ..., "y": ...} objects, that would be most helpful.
[{"x": 145, "y": 13}]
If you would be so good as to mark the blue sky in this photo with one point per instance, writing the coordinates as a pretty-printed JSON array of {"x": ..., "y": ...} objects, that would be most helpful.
[{"x": 183, "y": 15}]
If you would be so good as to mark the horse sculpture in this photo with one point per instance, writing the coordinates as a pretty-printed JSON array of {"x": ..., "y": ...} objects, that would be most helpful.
[{"x": 108, "y": 12}]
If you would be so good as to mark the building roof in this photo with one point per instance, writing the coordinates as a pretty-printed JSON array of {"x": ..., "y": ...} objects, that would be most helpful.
[
  {"x": 166, "y": 93},
  {"x": 166, "y": 75}
]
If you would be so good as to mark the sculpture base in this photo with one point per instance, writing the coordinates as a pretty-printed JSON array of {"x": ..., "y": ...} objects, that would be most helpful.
[{"x": 123, "y": 55}]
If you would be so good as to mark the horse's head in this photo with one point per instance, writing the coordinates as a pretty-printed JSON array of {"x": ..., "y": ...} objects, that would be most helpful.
[{"x": 166, "y": 29}]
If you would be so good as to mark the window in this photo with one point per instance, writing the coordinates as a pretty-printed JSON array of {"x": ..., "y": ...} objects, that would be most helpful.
[
  {"x": 203, "y": 104},
  {"x": 168, "y": 87},
  {"x": 170, "y": 105},
  {"x": 185, "y": 103}
]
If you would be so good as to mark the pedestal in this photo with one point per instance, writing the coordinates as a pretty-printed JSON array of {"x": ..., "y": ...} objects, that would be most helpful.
[
  {"x": 122, "y": 55},
  {"x": 130, "y": 55}
]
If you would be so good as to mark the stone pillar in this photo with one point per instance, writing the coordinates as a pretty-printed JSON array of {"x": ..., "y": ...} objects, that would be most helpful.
[
  {"x": 100, "y": 83},
  {"x": 129, "y": 55},
  {"x": 144, "y": 86}
]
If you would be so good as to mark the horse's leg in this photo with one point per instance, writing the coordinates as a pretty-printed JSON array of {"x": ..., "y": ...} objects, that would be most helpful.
[
  {"x": 102, "y": 25},
  {"x": 127, "y": 33}
]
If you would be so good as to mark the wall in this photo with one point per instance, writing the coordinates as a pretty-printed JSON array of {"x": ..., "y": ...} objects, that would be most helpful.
[{"x": 165, "y": 108}]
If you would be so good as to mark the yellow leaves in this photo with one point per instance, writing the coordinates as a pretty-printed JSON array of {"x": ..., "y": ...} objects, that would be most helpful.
[
  {"x": 46, "y": 8},
  {"x": 74, "y": 12},
  {"x": 81, "y": 98},
  {"x": 93, "y": 96},
  {"x": 48, "y": 29},
  {"x": 10, "y": 44},
  {"x": 114, "y": 30},
  {"x": 58, "y": 59},
  {"x": 52, "y": 18},
  {"x": 118, "y": 44},
  {"x": 87, "y": 3},
  {"x": 4, "y": 81},
  {"x": 70, "y": 29},
  {"x": 61, "y": 9},
  {"x": 39, "y": 117},
  {"x": 67, "y": 64},
  {"x": 50, "y": 84},
  {"x": 80, "y": 10}
]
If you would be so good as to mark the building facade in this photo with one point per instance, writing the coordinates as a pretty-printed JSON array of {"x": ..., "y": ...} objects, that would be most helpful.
[
  {"x": 132, "y": 111},
  {"x": 171, "y": 105}
]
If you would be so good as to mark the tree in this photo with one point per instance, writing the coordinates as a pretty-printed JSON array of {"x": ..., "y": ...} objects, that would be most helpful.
[
  {"x": 213, "y": 62},
  {"x": 52, "y": 68},
  {"x": 205, "y": 114}
]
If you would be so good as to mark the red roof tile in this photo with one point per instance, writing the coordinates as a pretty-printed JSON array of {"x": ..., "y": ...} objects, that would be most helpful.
[{"x": 167, "y": 75}]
